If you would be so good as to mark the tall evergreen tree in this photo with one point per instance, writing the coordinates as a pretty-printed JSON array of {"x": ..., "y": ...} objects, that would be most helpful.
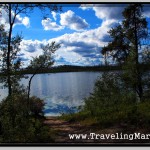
[{"x": 126, "y": 42}]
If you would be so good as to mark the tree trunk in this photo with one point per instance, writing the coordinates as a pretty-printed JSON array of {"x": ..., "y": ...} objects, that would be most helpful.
[
  {"x": 8, "y": 54},
  {"x": 29, "y": 89},
  {"x": 138, "y": 85}
]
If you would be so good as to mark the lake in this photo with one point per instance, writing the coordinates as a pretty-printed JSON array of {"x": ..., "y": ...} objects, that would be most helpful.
[{"x": 62, "y": 92}]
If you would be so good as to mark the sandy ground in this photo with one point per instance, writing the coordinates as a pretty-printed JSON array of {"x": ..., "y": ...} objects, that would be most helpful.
[{"x": 64, "y": 128}]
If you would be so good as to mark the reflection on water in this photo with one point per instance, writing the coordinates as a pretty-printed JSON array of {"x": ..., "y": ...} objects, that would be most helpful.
[{"x": 62, "y": 92}]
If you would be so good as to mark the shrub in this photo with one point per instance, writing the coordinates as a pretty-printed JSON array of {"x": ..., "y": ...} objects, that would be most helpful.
[
  {"x": 20, "y": 124},
  {"x": 110, "y": 102}
]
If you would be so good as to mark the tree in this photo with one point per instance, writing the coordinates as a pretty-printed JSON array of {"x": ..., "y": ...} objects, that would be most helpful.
[
  {"x": 119, "y": 47},
  {"x": 44, "y": 61},
  {"x": 15, "y": 62},
  {"x": 11, "y": 46},
  {"x": 25, "y": 128},
  {"x": 126, "y": 42}
]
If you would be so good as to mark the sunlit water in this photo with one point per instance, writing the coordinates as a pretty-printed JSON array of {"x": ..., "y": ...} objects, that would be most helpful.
[{"x": 62, "y": 92}]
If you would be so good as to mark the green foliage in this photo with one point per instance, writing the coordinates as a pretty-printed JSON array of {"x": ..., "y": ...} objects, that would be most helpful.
[
  {"x": 129, "y": 75},
  {"x": 123, "y": 97},
  {"x": 119, "y": 46},
  {"x": 17, "y": 125},
  {"x": 44, "y": 60},
  {"x": 127, "y": 36},
  {"x": 126, "y": 43},
  {"x": 113, "y": 103},
  {"x": 10, "y": 65},
  {"x": 36, "y": 106},
  {"x": 21, "y": 122},
  {"x": 108, "y": 99},
  {"x": 109, "y": 88},
  {"x": 146, "y": 55}
]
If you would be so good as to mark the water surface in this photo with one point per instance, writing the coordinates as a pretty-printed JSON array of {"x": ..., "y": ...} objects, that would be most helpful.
[{"x": 62, "y": 92}]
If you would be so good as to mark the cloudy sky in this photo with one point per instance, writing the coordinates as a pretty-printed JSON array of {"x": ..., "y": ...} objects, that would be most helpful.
[{"x": 82, "y": 30}]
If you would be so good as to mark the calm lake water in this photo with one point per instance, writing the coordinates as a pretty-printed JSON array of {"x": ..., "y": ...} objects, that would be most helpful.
[{"x": 62, "y": 92}]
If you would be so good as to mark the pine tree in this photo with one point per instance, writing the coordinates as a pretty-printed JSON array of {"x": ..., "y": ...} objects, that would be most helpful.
[{"x": 126, "y": 43}]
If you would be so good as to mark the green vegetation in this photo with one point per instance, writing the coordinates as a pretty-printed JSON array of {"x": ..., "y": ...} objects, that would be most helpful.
[
  {"x": 116, "y": 107},
  {"x": 21, "y": 116},
  {"x": 70, "y": 68},
  {"x": 122, "y": 97},
  {"x": 21, "y": 124},
  {"x": 119, "y": 97}
]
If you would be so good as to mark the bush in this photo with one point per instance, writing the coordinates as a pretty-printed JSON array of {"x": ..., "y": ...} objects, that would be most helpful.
[
  {"x": 20, "y": 124},
  {"x": 111, "y": 102}
]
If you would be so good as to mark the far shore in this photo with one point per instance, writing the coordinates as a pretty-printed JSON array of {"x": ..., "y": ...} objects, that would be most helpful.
[{"x": 70, "y": 68}]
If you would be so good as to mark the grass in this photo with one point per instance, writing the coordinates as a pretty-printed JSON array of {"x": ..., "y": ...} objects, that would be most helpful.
[{"x": 136, "y": 115}]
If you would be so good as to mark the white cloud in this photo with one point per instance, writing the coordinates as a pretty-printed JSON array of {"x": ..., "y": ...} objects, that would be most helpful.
[
  {"x": 79, "y": 48},
  {"x": 4, "y": 19},
  {"x": 26, "y": 21},
  {"x": 49, "y": 25},
  {"x": 22, "y": 21},
  {"x": 84, "y": 47},
  {"x": 106, "y": 11},
  {"x": 30, "y": 49},
  {"x": 72, "y": 21},
  {"x": 54, "y": 14},
  {"x": 86, "y": 6},
  {"x": 19, "y": 20},
  {"x": 112, "y": 11}
]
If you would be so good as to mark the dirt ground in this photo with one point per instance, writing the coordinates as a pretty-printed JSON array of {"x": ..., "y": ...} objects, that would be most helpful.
[{"x": 64, "y": 128}]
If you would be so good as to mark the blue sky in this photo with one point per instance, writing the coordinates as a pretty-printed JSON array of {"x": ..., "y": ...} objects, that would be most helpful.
[{"x": 82, "y": 30}]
